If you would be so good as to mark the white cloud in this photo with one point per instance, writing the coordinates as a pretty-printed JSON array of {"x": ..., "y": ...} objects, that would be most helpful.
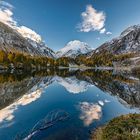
[
  {"x": 6, "y": 14},
  {"x": 107, "y": 101},
  {"x": 90, "y": 112},
  {"x": 101, "y": 103},
  {"x": 4, "y": 4},
  {"x": 102, "y": 31},
  {"x": 108, "y": 33},
  {"x": 92, "y": 20}
]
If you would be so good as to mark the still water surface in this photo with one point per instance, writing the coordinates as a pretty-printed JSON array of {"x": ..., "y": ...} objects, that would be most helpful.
[{"x": 90, "y": 98}]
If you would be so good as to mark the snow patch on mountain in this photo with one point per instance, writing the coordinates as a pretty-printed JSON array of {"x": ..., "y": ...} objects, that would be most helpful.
[
  {"x": 29, "y": 33},
  {"x": 73, "y": 49}
]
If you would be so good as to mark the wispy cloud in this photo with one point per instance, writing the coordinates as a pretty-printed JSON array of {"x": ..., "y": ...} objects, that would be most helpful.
[
  {"x": 6, "y": 4},
  {"x": 92, "y": 20},
  {"x": 98, "y": 38},
  {"x": 102, "y": 31},
  {"x": 6, "y": 16},
  {"x": 108, "y": 33}
]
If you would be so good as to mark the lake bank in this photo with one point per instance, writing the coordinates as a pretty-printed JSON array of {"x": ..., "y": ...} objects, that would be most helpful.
[{"x": 125, "y": 127}]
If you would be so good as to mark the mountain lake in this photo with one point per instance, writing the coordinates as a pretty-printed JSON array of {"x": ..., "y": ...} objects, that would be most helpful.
[{"x": 63, "y": 104}]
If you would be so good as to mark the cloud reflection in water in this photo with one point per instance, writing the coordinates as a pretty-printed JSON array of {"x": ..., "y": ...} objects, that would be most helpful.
[{"x": 90, "y": 112}]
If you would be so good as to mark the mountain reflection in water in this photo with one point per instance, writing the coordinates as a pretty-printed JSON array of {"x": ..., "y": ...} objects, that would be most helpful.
[{"x": 20, "y": 89}]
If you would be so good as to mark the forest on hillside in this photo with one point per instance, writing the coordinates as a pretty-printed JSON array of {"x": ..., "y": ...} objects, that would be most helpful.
[{"x": 9, "y": 60}]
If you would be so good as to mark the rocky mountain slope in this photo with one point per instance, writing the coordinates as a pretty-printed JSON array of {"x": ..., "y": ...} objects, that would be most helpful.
[
  {"x": 13, "y": 41},
  {"x": 73, "y": 49},
  {"x": 127, "y": 42},
  {"x": 22, "y": 39}
]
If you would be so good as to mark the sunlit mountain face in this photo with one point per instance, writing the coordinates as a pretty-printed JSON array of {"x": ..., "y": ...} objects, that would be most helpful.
[{"x": 89, "y": 97}]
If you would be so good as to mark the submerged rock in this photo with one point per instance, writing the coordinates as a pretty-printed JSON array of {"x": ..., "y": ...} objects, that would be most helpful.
[{"x": 52, "y": 118}]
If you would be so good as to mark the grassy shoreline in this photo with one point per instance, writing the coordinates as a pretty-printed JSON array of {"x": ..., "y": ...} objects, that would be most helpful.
[{"x": 125, "y": 127}]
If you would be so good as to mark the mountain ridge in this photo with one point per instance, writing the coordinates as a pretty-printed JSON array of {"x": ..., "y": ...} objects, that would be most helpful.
[
  {"x": 13, "y": 40},
  {"x": 129, "y": 40},
  {"x": 73, "y": 49}
]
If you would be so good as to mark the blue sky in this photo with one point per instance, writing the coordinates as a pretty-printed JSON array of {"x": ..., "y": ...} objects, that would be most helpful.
[{"x": 60, "y": 21}]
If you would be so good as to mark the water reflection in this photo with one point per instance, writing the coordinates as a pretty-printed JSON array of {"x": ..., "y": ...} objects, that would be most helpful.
[
  {"x": 7, "y": 114},
  {"x": 73, "y": 85},
  {"x": 125, "y": 86},
  {"x": 51, "y": 119},
  {"x": 34, "y": 88},
  {"x": 90, "y": 112},
  {"x": 23, "y": 89}
]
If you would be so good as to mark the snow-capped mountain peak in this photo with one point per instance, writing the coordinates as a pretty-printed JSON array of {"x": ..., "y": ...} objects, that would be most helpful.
[{"x": 73, "y": 49}]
